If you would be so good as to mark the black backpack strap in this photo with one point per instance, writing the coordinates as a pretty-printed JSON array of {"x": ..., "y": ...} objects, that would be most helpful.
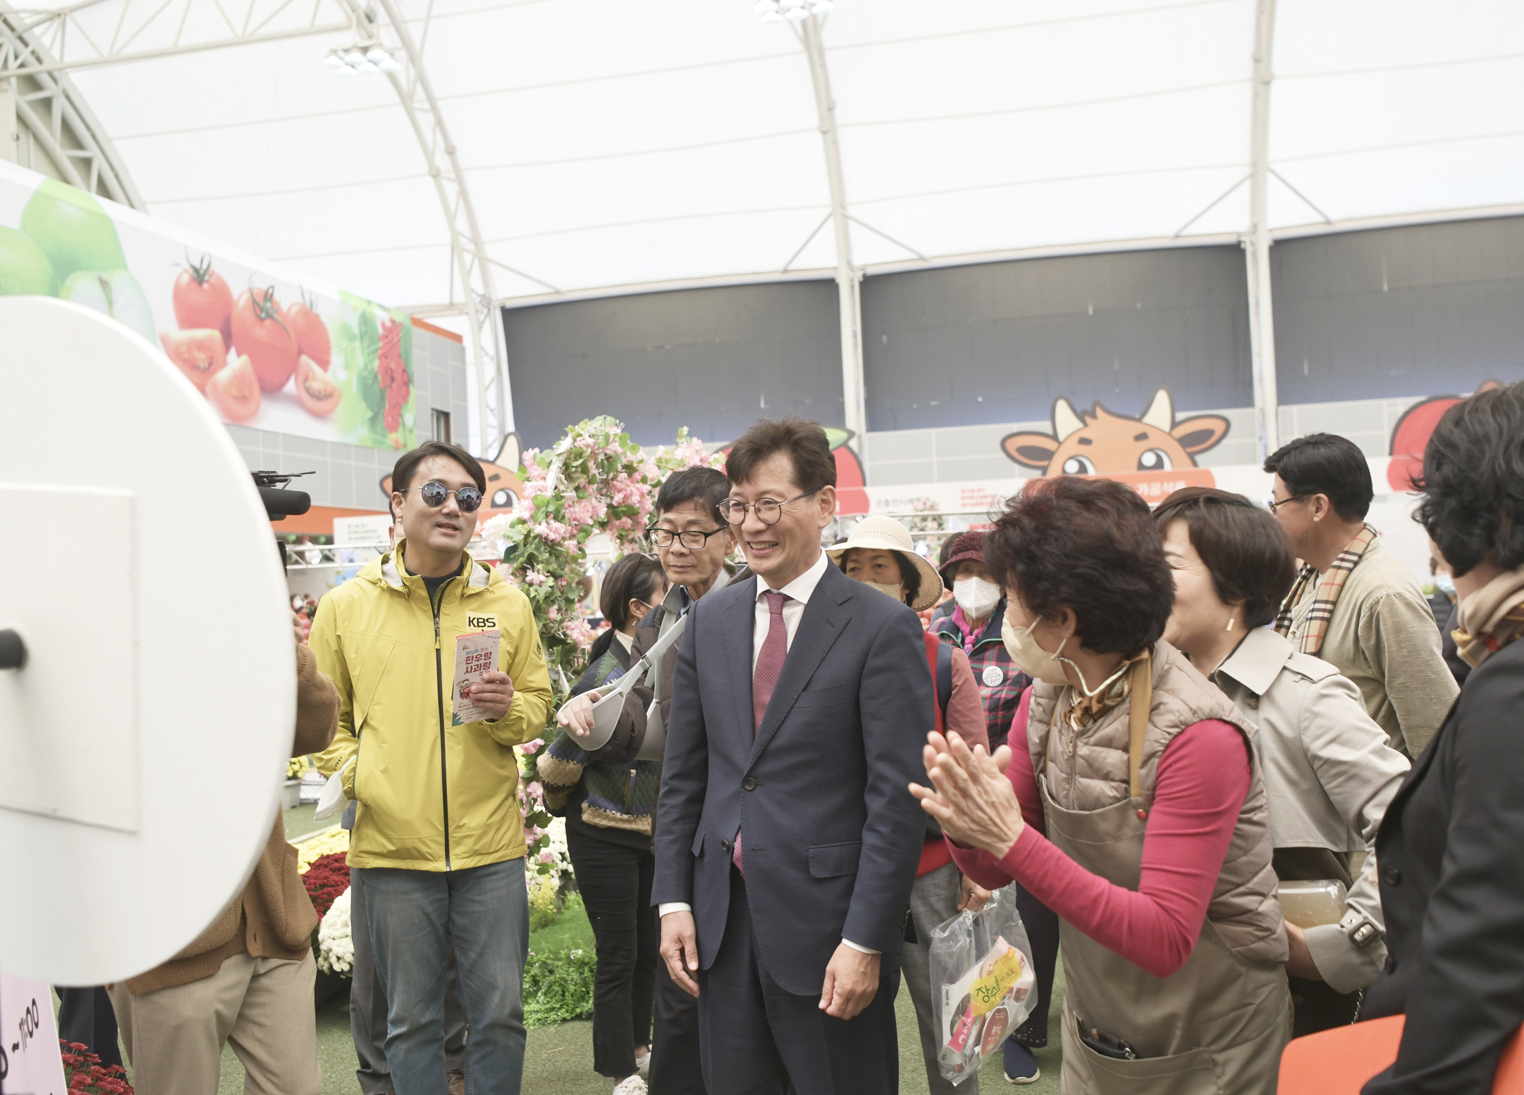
[{"x": 944, "y": 677}]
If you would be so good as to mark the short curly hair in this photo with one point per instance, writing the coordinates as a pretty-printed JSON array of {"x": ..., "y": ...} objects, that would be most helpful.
[
  {"x": 1089, "y": 545},
  {"x": 1473, "y": 481}
]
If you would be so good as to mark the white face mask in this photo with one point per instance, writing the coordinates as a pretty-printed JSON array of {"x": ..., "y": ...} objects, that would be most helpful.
[{"x": 977, "y": 597}]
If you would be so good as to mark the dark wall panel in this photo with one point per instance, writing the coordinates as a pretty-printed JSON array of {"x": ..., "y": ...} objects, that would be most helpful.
[
  {"x": 709, "y": 359},
  {"x": 1000, "y": 342},
  {"x": 1425, "y": 310}
]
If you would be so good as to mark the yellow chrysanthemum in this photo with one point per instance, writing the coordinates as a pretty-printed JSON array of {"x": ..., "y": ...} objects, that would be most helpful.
[{"x": 309, "y": 850}]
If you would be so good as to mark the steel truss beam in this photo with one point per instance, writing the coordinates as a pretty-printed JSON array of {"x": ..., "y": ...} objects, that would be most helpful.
[
  {"x": 41, "y": 104},
  {"x": 1257, "y": 241},
  {"x": 848, "y": 277},
  {"x": 89, "y": 33},
  {"x": 484, "y": 330},
  {"x": 36, "y": 46}
]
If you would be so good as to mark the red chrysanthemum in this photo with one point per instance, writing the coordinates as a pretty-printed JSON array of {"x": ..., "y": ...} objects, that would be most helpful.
[{"x": 326, "y": 879}]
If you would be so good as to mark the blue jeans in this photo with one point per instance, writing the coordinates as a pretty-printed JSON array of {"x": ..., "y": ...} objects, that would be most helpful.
[{"x": 414, "y": 916}]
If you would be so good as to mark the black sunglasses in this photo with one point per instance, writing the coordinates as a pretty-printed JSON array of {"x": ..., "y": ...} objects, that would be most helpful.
[{"x": 469, "y": 499}]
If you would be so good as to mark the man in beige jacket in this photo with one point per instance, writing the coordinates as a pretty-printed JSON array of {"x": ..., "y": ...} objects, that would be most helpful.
[
  {"x": 1355, "y": 605},
  {"x": 248, "y": 978}
]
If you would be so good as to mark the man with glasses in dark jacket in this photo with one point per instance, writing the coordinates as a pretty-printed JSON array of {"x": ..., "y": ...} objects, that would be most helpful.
[{"x": 693, "y": 542}]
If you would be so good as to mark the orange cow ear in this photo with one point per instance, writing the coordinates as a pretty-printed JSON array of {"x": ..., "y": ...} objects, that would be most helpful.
[
  {"x": 1032, "y": 450},
  {"x": 1201, "y": 432}
]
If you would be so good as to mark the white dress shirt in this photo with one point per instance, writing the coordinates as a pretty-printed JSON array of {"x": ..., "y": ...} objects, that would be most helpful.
[{"x": 798, "y": 593}]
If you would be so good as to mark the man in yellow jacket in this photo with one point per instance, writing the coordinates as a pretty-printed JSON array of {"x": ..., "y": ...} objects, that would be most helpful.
[{"x": 438, "y": 836}]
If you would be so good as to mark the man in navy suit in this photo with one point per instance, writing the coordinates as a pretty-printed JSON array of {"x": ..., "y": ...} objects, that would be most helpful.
[{"x": 786, "y": 837}]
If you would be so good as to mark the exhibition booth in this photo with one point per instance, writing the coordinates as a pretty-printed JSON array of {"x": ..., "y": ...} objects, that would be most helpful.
[{"x": 983, "y": 247}]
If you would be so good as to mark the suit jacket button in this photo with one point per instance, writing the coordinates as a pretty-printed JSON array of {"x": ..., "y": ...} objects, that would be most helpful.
[
  {"x": 1391, "y": 964},
  {"x": 749, "y": 784},
  {"x": 725, "y": 846},
  {"x": 1392, "y": 876}
]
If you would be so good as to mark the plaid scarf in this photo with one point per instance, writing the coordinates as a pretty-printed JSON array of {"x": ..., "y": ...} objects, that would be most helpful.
[
  {"x": 1491, "y": 618},
  {"x": 1328, "y": 592}
]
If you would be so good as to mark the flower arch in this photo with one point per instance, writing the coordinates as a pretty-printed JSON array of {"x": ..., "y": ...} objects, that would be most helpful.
[{"x": 595, "y": 479}]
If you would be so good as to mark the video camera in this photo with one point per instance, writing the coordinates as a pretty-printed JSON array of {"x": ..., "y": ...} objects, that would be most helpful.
[{"x": 281, "y": 503}]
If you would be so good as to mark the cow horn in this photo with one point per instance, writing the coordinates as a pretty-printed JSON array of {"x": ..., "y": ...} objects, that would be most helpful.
[
  {"x": 1161, "y": 412},
  {"x": 1065, "y": 421}
]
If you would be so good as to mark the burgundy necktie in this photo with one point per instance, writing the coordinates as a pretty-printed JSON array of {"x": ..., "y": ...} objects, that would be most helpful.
[{"x": 765, "y": 677}]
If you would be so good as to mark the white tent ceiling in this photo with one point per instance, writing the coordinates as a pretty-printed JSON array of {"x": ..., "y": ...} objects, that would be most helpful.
[{"x": 614, "y": 143}]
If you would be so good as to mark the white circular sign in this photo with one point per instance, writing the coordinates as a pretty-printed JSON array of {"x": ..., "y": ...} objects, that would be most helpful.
[
  {"x": 993, "y": 675},
  {"x": 143, "y": 743}
]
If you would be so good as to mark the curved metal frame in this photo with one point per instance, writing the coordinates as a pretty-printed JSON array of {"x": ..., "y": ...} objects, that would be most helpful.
[
  {"x": 494, "y": 401},
  {"x": 25, "y": 59},
  {"x": 63, "y": 114}
]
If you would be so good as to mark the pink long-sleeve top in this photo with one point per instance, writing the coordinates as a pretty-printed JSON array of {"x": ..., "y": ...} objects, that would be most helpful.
[{"x": 1202, "y": 782}]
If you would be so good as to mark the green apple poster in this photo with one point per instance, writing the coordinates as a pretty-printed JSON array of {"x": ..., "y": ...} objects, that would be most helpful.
[{"x": 265, "y": 347}]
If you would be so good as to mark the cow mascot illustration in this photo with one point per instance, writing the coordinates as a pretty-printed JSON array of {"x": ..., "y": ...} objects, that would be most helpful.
[{"x": 1152, "y": 453}]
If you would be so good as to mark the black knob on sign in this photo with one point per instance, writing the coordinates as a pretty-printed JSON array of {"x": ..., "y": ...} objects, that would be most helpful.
[{"x": 12, "y": 650}]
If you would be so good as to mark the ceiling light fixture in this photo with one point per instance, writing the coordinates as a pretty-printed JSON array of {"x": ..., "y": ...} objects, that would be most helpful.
[
  {"x": 794, "y": 11},
  {"x": 362, "y": 59}
]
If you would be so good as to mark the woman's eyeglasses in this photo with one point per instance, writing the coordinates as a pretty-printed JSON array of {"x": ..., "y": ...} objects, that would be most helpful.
[{"x": 469, "y": 499}]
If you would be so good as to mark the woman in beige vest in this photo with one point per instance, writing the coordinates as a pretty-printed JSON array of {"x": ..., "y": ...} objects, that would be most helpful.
[{"x": 1137, "y": 811}]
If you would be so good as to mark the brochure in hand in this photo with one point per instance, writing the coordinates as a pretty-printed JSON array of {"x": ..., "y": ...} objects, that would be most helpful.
[{"x": 475, "y": 654}]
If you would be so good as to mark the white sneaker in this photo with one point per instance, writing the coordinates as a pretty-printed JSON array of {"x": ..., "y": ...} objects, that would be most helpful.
[
  {"x": 643, "y": 1064},
  {"x": 631, "y": 1085}
]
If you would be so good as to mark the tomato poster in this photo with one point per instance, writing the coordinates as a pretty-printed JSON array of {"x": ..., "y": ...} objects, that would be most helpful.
[{"x": 266, "y": 348}]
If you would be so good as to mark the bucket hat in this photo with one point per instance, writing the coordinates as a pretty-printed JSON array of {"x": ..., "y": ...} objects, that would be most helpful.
[
  {"x": 887, "y": 534},
  {"x": 965, "y": 545}
]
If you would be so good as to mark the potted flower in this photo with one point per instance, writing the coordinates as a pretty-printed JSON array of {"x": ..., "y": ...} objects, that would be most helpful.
[{"x": 291, "y": 792}]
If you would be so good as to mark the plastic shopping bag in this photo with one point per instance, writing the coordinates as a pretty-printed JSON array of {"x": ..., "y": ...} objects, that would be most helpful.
[{"x": 982, "y": 983}]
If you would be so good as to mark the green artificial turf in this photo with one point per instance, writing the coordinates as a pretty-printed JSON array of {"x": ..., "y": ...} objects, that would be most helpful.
[
  {"x": 299, "y": 821},
  {"x": 571, "y": 930}
]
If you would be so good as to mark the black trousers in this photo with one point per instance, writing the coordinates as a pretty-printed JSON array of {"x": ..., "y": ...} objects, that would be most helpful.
[
  {"x": 615, "y": 883},
  {"x": 677, "y": 1067},
  {"x": 85, "y": 1017},
  {"x": 758, "y": 1038},
  {"x": 1041, "y": 923}
]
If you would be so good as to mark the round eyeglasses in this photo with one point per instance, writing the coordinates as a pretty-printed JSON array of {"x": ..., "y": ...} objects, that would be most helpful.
[
  {"x": 767, "y": 510},
  {"x": 433, "y": 493},
  {"x": 693, "y": 539}
]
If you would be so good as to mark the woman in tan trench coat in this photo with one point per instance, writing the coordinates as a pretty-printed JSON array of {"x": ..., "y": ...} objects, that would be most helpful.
[{"x": 1136, "y": 810}]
